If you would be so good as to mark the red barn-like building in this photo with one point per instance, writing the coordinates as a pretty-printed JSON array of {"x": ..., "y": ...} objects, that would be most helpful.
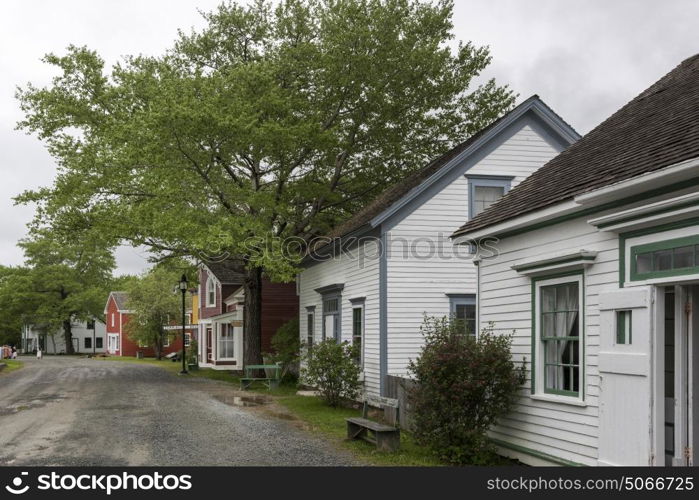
[
  {"x": 117, "y": 315},
  {"x": 221, "y": 327}
]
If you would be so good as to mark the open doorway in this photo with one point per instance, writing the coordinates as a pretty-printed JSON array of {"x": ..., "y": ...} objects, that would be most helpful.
[{"x": 680, "y": 343}]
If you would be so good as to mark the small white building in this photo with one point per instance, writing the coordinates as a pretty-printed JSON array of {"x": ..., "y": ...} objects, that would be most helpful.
[
  {"x": 596, "y": 271},
  {"x": 381, "y": 272},
  {"x": 86, "y": 339}
]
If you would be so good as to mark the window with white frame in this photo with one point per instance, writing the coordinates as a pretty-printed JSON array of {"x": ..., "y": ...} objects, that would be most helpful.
[
  {"x": 332, "y": 311},
  {"x": 210, "y": 293},
  {"x": 358, "y": 333},
  {"x": 331, "y": 318},
  {"x": 113, "y": 316},
  {"x": 166, "y": 339},
  {"x": 560, "y": 335},
  {"x": 484, "y": 191},
  {"x": 226, "y": 342},
  {"x": 187, "y": 339},
  {"x": 113, "y": 343},
  {"x": 463, "y": 313}
]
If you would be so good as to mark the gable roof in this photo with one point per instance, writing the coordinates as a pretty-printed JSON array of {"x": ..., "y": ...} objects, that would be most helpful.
[
  {"x": 120, "y": 299},
  {"x": 401, "y": 193},
  {"x": 658, "y": 128},
  {"x": 225, "y": 272}
]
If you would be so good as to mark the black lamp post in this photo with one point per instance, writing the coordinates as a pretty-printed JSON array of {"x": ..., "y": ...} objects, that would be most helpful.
[{"x": 183, "y": 289}]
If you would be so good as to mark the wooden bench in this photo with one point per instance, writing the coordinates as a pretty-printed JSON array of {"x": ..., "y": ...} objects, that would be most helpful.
[
  {"x": 271, "y": 382},
  {"x": 385, "y": 437}
]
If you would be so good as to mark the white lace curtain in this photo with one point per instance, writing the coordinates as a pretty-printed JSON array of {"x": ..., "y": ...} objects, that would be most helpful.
[{"x": 560, "y": 311}]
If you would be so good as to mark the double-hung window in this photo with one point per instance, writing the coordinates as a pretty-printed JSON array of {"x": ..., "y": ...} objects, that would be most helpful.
[
  {"x": 463, "y": 313},
  {"x": 210, "y": 293},
  {"x": 483, "y": 191},
  {"x": 310, "y": 326},
  {"x": 358, "y": 330},
  {"x": 226, "y": 342},
  {"x": 331, "y": 318},
  {"x": 332, "y": 310},
  {"x": 559, "y": 333}
]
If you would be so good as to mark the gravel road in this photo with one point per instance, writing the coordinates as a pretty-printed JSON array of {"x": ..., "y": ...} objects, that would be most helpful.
[{"x": 73, "y": 411}]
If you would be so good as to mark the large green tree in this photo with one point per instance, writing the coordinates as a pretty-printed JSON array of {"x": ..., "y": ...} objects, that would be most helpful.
[
  {"x": 12, "y": 309},
  {"x": 275, "y": 121},
  {"x": 63, "y": 279}
]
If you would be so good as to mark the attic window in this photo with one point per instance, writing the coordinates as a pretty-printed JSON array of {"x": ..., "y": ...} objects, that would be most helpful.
[
  {"x": 210, "y": 293},
  {"x": 484, "y": 191}
]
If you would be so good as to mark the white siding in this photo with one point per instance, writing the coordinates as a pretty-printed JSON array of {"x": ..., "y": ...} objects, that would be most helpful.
[
  {"x": 359, "y": 272},
  {"x": 562, "y": 430},
  {"x": 418, "y": 285},
  {"x": 79, "y": 331}
]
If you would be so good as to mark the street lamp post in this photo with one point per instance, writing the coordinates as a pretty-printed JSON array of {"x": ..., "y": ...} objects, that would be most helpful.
[{"x": 183, "y": 289}]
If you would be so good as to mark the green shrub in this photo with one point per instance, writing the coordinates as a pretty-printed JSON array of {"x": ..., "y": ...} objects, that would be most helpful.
[
  {"x": 463, "y": 386},
  {"x": 331, "y": 368},
  {"x": 286, "y": 347}
]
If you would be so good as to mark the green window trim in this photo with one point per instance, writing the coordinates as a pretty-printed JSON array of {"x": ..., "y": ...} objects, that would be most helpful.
[
  {"x": 358, "y": 333},
  {"x": 661, "y": 228},
  {"x": 623, "y": 326},
  {"x": 579, "y": 276},
  {"x": 651, "y": 249}
]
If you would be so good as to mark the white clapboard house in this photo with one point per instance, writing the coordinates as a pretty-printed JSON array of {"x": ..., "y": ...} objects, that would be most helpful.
[
  {"x": 352, "y": 290},
  {"x": 87, "y": 336},
  {"x": 596, "y": 270}
]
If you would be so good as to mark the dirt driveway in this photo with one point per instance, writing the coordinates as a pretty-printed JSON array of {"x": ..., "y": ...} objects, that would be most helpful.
[{"x": 76, "y": 411}]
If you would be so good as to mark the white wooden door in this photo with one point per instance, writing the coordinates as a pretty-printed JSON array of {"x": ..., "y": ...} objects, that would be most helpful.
[{"x": 624, "y": 374}]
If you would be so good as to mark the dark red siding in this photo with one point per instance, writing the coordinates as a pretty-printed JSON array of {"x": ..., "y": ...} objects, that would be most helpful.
[{"x": 279, "y": 304}]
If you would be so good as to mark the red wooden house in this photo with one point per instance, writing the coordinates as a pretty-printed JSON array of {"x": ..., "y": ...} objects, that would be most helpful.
[
  {"x": 221, "y": 327},
  {"x": 117, "y": 315}
]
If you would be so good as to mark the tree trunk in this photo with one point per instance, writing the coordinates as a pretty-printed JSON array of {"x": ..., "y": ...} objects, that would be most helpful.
[
  {"x": 68, "y": 335},
  {"x": 158, "y": 346},
  {"x": 252, "y": 321}
]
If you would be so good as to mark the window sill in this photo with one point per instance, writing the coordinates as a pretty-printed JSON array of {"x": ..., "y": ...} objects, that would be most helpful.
[{"x": 558, "y": 399}]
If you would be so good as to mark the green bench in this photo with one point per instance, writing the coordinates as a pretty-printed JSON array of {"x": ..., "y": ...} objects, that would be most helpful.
[{"x": 271, "y": 382}]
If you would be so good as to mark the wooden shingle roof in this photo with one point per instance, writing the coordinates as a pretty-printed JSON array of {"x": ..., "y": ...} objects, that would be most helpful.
[
  {"x": 658, "y": 128},
  {"x": 226, "y": 272}
]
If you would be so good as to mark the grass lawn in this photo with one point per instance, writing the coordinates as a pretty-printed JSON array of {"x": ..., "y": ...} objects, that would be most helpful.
[
  {"x": 329, "y": 422},
  {"x": 12, "y": 365}
]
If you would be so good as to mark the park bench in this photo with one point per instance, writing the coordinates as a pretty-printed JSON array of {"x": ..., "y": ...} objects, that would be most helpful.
[
  {"x": 271, "y": 382},
  {"x": 385, "y": 437}
]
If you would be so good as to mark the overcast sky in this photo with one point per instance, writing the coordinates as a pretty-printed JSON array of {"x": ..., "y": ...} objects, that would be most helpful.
[{"x": 585, "y": 58}]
